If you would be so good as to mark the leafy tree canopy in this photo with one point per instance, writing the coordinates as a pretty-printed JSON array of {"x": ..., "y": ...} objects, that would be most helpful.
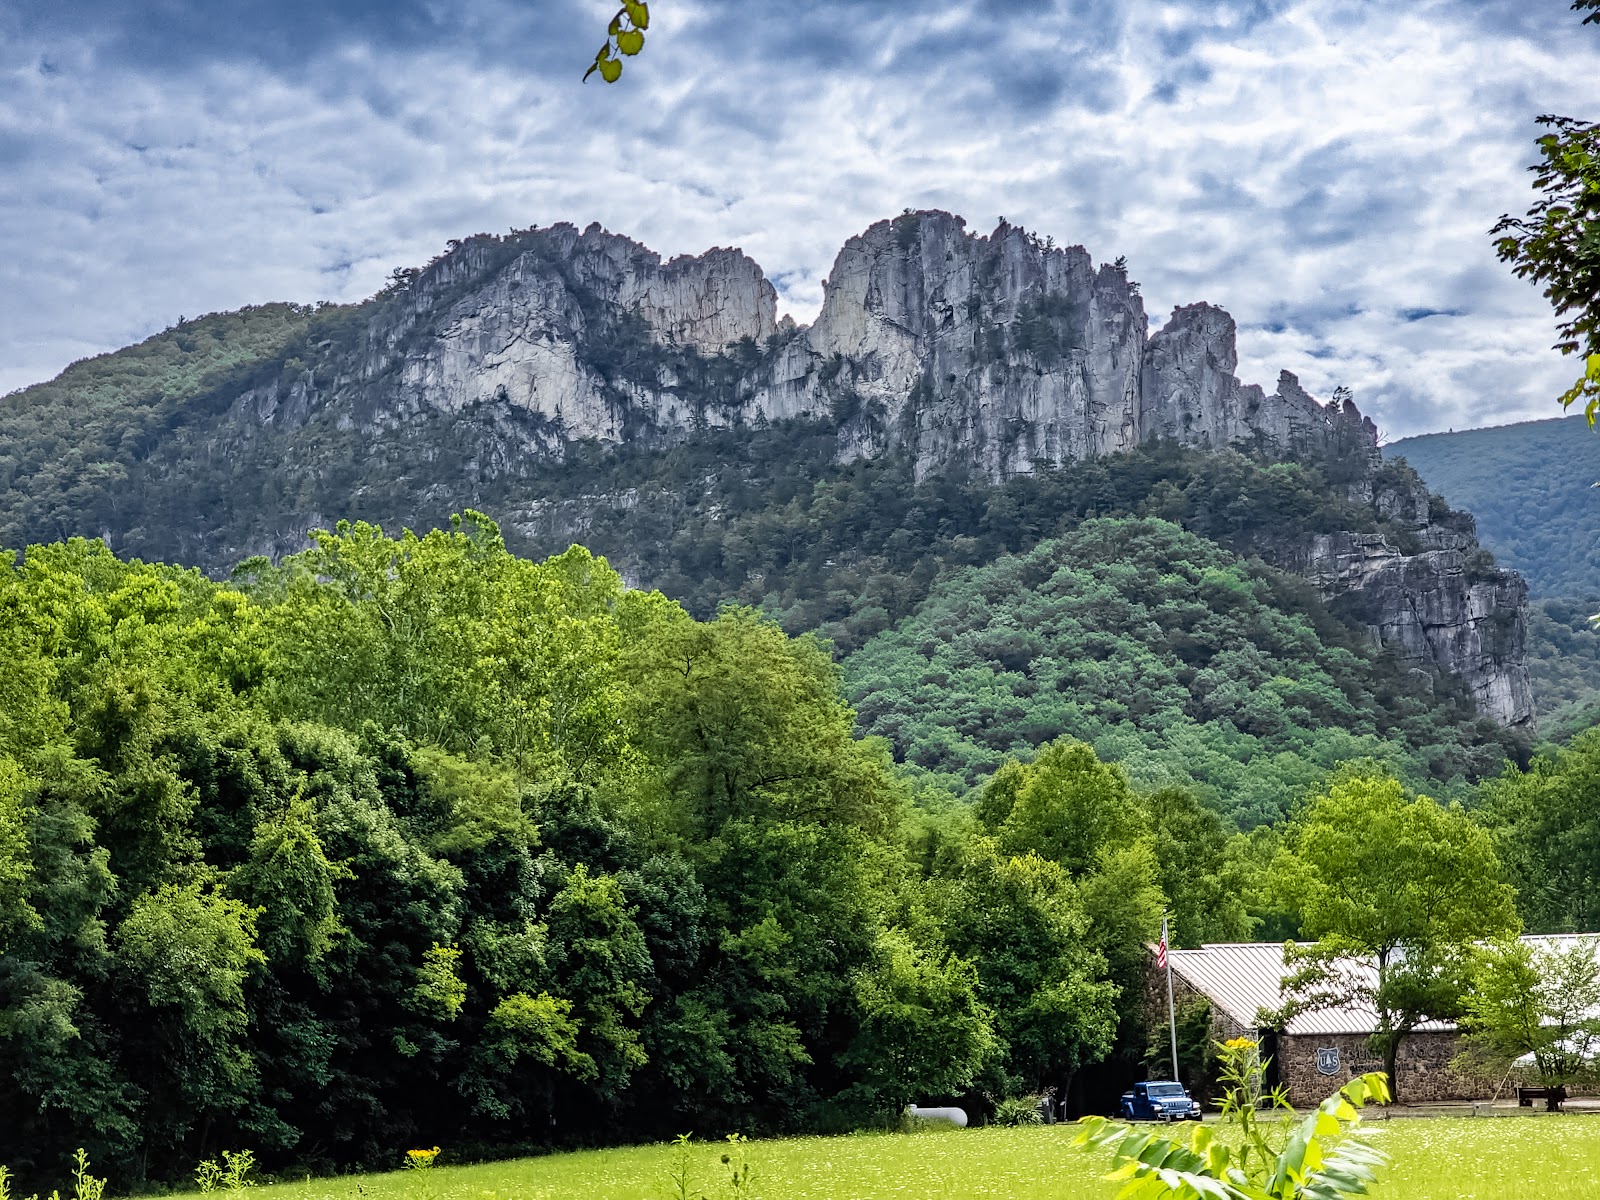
[
  {"x": 1393, "y": 889},
  {"x": 1184, "y": 663},
  {"x": 1558, "y": 242},
  {"x": 1534, "y": 1004}
]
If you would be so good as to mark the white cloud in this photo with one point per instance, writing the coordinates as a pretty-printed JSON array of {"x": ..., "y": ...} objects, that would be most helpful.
[{"x": 1318, "y": 168}]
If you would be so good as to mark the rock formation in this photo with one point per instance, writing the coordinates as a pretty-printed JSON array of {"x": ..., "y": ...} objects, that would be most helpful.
[
  {"x": 998, "y": 352},
  {"x": 1443, "y": 607},
  {"x": 991, "y": 354}
]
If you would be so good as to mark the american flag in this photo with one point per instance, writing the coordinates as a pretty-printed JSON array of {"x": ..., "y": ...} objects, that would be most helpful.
[{"x": 1161, "y": 948}]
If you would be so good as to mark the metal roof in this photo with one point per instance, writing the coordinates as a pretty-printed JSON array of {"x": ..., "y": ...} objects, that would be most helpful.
[{"x": 1243, "y": 978}]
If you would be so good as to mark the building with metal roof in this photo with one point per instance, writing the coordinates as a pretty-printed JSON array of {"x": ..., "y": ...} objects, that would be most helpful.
[{"x": 1320, "y": 1049}]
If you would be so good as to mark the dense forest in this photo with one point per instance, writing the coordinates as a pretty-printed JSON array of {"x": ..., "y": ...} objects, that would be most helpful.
[
  {"x": 412, "y": 841},
  {"x": 1181, "y": 661},
  {"x": 771, "y": 518},
  {"x": 809, "y": 788}
]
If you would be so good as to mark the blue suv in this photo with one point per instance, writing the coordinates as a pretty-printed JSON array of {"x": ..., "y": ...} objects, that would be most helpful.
[{"x": 1159, "y": 1100}]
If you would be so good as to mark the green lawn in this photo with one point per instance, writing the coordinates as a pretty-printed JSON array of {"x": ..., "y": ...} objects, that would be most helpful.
[{"x": 1543, "y": 1158}]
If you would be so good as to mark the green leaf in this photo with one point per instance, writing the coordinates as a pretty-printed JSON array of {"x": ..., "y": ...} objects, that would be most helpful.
[
  {"x": 630, "y": 41},
  {"x": 638, "y": 13},
  {"x": 610, "y": 69}
]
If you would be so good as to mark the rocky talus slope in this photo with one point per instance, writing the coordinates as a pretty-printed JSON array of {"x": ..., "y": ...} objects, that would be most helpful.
[{"x": 984, "y": 354}]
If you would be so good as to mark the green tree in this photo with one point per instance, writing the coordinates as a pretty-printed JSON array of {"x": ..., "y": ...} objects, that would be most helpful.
[
  {"x": 1206, "y": 886},
  {"x": 1558, "y": 242},
  {"x": 526, "y": 1041},
  {"x": 1070, "y": 808},
  {"x": 1022, "y": 921},
  {"x": 597, "y": 952},
  {"x": 923, "y": 1031},
  {"x": 1535, "y": 1002},
  {"x": 1394, "y": 890},
  {"x": 15, "y": 869},
  {"x": 747, "y": 723},
  {"x": 190, "y": 951},
  {"x": 1546, "y": 826}
]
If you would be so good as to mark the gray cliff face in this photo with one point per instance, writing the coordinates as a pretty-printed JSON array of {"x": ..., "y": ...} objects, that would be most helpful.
[
  {"x": 990, "y": 353},
  {"x": 1442, "y": 608},
  {"x": 1191, "y": 395},
  {"x": 521, "y": 332},
  {"x": 997, "y": 352},
  {"x": 1437, "y": 612},
  {"x": 1001, "y": 352}
]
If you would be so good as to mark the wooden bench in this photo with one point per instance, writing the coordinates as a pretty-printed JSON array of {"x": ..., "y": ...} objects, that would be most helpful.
[{"x": 1552, "y": 1097}]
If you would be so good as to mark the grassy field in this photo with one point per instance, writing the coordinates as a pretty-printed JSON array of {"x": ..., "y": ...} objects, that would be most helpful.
[{"x": 1543, "y": 1158}]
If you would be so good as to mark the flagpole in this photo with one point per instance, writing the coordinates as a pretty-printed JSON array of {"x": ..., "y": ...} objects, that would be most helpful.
[{"x": 1172, "y": 1012}]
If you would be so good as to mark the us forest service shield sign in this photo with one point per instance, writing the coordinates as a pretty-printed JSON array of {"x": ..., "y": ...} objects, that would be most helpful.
[{"x": 1328, "y": 1060}]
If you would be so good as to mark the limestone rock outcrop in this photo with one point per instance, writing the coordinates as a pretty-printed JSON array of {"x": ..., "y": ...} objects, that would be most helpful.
[
  {"x": 1438, "y": 611},
  {"x": 991, "y": 354}
]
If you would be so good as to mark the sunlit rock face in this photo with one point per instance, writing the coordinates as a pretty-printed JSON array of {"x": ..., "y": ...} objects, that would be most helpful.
[
  {"x": 1191, "y": 395},
  {"x": 994, "y": 353},
  {"x": 531, "y": 332},
  {"x": 1002, "y": 352},
  {"x": 986, "y": 354}
]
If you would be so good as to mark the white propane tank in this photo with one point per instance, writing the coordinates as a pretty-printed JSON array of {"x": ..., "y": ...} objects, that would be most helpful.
[{"x": 956, "y": 1116}]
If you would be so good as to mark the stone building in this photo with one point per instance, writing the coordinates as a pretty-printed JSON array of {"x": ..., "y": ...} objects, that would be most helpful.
[{"x": 1314, "y": 1053}]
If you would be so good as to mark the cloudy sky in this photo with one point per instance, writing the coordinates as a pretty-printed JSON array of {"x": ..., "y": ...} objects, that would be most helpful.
[{"x": 1327, "y": 170}]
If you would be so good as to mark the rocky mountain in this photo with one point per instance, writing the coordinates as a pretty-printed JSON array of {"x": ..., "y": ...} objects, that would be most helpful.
[
  {"x": 470, "y": 381},
  {"x": 993, "y": 352}
]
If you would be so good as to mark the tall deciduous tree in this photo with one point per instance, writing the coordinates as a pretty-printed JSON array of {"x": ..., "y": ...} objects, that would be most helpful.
[
  {"x": 1394, "y": 889},
  {"x": 1546, "y": 826},
  {"x": 1536, "y": 1003},
  {"x": 1023, "y": 922},
  {"x": 924, "y": 1032}
]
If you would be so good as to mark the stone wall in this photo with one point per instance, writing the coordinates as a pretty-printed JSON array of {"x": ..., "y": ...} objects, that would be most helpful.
[{"x": 1423, "y": 1067}]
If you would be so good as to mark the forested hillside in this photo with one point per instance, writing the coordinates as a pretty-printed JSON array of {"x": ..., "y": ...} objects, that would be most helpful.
[
  {"x": 72, "y": 451},
  {"x": 412, "y": 841},
  {"x": 1564, "y": 664},
  {"x": 771, "y": 518},
  {"x": 1530, "y": 487},
  {"x": 1181, "y": 661},
  {"x": 585, "y": 391},
  {"x": 409, "y": 841}
]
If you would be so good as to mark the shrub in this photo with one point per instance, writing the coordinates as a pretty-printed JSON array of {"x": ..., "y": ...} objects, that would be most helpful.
[{"x": 1018, "y": 1110}]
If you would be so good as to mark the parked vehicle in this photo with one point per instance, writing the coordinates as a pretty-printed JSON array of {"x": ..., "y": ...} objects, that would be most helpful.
[{"x": 1159, "y": 1100}]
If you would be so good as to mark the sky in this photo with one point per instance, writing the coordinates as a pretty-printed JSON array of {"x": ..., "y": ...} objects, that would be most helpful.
[{"x": 1326, "y": 170}]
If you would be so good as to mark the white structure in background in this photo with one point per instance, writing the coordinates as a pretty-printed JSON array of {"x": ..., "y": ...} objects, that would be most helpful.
[{"x": 956, "y": 1116}]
